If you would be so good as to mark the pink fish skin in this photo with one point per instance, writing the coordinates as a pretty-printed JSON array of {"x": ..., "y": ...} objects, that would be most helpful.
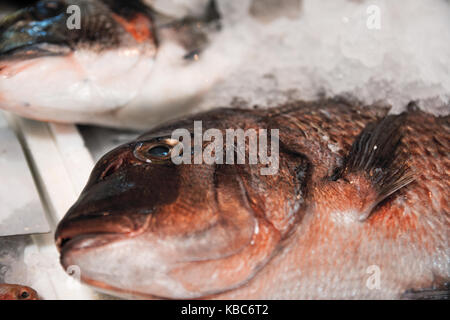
[{"x": 17, "y": 292}]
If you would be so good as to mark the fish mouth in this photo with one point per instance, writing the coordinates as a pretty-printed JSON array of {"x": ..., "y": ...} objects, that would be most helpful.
[
  {"x": 75, "y": 239},
  {"x": 86, "y": 233},
  {"x": 129, "y": 262},
  {"x": 32, "y": 50},
  {"x": 85, "y": 241},
  {"x": 71, "y": 247}
]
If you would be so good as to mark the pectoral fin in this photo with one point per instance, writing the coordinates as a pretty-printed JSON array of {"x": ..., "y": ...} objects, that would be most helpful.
[{"x": 375, "y": 160}]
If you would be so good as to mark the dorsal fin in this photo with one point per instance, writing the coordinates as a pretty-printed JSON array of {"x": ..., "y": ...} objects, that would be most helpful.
[{"x": 375, "y": 153}]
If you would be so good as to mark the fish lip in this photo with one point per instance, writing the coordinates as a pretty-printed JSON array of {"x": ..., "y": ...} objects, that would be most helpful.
[
  {"x": 122, "y": 293},
  {"x": 121, "y": 227},
  {"x": 85, "y": 241},
  {"x": 80, "y": 243},
  {"x": 130, "y": 294},
  {"x": 35, "y": 50}
]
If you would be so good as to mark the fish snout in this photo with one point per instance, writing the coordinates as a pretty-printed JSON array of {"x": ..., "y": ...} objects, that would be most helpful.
[
  {"x": 81, "y": 232},
  {"x": 119, "y": 197}
]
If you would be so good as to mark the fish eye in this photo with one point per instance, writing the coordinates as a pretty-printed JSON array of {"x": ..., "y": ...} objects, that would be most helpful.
[
  {"x": 48, "y": 9},
  {"x": 158, "y": 151},
  {"x": 24, "y": 295}
]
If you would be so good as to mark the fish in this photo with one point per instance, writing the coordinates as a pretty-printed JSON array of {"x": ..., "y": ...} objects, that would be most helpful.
[
  {"x": 358, "y": 209},
  {"x": 103, "y": 62},
  {"x": 17, "y": 292}
]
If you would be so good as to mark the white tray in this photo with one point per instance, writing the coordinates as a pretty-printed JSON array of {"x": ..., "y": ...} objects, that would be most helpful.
[{"x": 61, "y": 164}]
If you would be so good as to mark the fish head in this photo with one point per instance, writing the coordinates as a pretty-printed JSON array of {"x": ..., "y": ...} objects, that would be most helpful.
[
  {"x": 17, "y": 292},
  {"x": 35, "y": 31},
  {"x": 60, "y": 52},
  {"x": 147, "y": 227}
]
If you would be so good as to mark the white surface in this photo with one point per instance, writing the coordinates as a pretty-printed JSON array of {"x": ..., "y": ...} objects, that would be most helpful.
[
  {"x": 60, "y": 162},
  {"x": 100, "y": 141},
  {"x": 21, "y": 210}
]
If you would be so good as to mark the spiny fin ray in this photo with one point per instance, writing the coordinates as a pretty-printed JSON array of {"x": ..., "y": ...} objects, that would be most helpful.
[{"x": 376, "y": 154}]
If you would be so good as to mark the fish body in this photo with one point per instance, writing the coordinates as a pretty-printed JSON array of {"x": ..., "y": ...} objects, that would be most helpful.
[
  {"x": 358, "y": 209},
  {"x": 17, "y": 292},
  {"x": 100, "y": 61}
]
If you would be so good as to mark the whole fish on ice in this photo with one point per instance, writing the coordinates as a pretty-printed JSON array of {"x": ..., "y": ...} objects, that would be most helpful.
[
  {"x": 358, "y": 209},
  {"x": 115, "y": 63}
]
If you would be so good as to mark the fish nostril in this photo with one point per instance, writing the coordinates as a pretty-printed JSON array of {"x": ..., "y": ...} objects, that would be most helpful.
[{"x": 113, "y": 167}]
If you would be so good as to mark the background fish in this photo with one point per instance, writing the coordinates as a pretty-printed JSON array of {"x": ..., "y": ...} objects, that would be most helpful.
[
  {"x": 357, "y": 193},
  {"x": 120, "y": 56},
  {"x": 17, "y": 292},
  {"x": 203, "y": 54}
]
